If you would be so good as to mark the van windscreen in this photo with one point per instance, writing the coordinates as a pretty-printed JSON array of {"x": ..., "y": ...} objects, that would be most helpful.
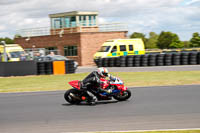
[
  {"x": 16, "y": 54},
  {"x": 104, "y": 49}
]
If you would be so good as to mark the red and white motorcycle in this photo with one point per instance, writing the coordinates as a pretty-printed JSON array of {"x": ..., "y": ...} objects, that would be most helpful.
[{"x": 117, "y": 88}]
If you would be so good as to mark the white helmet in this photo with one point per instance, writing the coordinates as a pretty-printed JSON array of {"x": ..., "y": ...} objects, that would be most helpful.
[{"x": 102, "y": 71}]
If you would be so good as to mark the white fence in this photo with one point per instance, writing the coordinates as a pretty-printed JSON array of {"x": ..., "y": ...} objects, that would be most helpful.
[{"x": 42, "y": 31}]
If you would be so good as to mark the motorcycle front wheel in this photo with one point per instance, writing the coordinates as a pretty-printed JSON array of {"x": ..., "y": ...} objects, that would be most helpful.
[
  {"x": 123, "y": 96},
  {"x": 72, "y": 96}
]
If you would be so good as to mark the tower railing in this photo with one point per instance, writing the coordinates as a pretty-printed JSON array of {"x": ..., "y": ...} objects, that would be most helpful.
[{"x": 44, "y": 31}]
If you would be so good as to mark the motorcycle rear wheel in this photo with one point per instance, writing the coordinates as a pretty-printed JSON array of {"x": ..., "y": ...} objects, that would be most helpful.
[
  {"x": 123, "y": 97},
  {"x": 71, "y": 99}
]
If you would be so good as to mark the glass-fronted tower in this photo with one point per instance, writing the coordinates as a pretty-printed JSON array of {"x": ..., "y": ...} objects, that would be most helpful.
[{"x": 75, "y": 21}]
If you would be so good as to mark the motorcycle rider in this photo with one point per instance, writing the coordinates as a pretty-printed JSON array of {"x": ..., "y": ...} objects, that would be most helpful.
[{"x": 93, "y": 79}]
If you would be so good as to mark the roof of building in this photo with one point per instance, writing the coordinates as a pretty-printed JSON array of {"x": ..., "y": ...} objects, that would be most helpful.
[{"x": 73, "y": 13}]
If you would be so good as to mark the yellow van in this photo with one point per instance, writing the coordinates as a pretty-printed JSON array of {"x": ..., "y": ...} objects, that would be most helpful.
[
  {"x": 13, "y": 51},
  {"x": 121, "y": 47}
]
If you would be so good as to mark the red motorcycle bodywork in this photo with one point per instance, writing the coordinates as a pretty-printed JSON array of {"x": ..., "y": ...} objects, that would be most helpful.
[
  {"x": 76, "y": 84},
  {"x": 104, "y": 84}
]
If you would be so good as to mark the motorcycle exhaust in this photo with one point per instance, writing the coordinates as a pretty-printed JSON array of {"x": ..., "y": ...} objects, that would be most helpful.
[{"x": 75, "y": 97}]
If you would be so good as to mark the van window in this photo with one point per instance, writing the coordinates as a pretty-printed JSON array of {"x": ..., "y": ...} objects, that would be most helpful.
[
  {"x": 104, "y": 49},
  {"x": 16, "y": 54},
  {"x": 122, "y": 47},
  {"x": 114, "y": 49},
  {"x": 130, "y": 47}
]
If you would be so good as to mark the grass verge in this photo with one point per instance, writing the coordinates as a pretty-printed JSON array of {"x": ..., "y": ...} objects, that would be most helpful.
[{"x": 135, "y": 79}]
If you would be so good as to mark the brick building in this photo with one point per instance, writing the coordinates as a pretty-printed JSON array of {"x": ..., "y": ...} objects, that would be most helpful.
[{"x": 77, "y": 35}]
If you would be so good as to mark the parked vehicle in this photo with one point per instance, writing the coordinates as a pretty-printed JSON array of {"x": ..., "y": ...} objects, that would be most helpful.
[
  {"x": 13, "y": 52},
  {"x": 121, "y": 47},
  {"x": 55, "y": 58},
  {"x": 77, "y": 95}
]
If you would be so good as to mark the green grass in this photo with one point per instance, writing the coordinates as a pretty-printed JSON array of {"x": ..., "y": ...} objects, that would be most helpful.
[
  {"x": 60, "y": 82},
  {"x": 178, "y": 131}
]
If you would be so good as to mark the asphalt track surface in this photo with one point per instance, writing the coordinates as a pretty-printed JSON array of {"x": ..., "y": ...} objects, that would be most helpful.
[
  {"x": 143, "y": 69},
  {"x": 168, "y": 107}
]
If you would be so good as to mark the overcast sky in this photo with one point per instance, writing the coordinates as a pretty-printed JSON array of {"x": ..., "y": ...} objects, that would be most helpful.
[{"x": 178, "y": 16}]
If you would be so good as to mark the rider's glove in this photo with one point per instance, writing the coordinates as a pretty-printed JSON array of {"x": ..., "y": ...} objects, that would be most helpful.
[{"x": 112, "y": 78}]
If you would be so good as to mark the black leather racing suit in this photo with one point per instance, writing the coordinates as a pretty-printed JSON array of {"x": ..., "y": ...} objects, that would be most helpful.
[{"x": 92, "y": 82}]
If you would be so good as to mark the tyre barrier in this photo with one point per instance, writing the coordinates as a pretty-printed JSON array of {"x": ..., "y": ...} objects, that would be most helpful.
[
  {"x": 136, "y": 61},
  {"x": 176, "y": 59},
  {"x": 130, "y": 60},
  {"x": 41, "y": 68},
  {"x": 152, "y": 60},
  {"x": 123, "y": 61},
  {"x": 144, "y": 60},
  {"x": 168, "y": 59},
  {"x": 118, "y": 62},
  {"x": 48, "y": 68},
  {"x": 69, "y": 66},
  {"x": 162, "y": 59},
  {"x": 55, "y": 67},
  {"x": 112, "y": 62},
  {"x": 192, "y": 58},
  {"x": 198, "y": 58},
  {"x": 184, "y": 58}
]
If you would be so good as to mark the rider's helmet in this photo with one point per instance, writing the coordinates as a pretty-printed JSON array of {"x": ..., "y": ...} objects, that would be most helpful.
[{"x": 103, "y": 72}]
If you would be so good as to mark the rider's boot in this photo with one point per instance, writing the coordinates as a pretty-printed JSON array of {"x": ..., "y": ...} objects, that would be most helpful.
[{"x": 92, "y": 98}]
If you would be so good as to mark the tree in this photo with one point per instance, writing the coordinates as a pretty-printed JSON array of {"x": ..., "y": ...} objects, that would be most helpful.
[
  {"x": 186, "y": 44},
  {"x": 139, "y": 35},
  {"x": 169, "y": 40},
  {"x": 176, "y": 44},
  {"x": 17, "y": 36},
  {"x": 195, "y": 40},
  {"x": 152, "y": 40},
  {"x": 7, "y": 40}
]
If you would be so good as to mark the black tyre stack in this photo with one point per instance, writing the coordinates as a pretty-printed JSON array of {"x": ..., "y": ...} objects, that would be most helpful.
[
  {"x": 96, "y": 61},
  {"x": 122, "y": 61},
  {"x": 136, "y": 61},
  {"x": 105, "y": 62},
  {"x": 176, "y": 59},
  {"x": 152, "y": 60},
  {"x": 129, "y": 61},
  {"x": 192, "y": 58},
  {"x": 69, "y": 65},
  {"x": 112, "y": 62},
  {"x": 118, "y": 62},
  {"x": 144, "y": 60},
  {"x": 49, "y": 67},
  {"x": 198, "y": 58},
  {"x": 184, "y": 58},
  {"x": 160, "y": 59},
  {"x": 168, "y": 59},
  {"x": 100, "y": 62},
  {"x": 41, "y": 68}
]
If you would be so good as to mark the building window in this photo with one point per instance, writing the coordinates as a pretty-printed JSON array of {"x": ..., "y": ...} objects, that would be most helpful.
[
  {"x": 122, "y": 47},
  {"x": 130, "y": 47},
  {"x": 52, "y": 49},
  {"x": 82, "y": 20},
  {"x": 90, "y": 20},
  {"x": 94, "y": 20},
  {"x": 67, "y": 22},
  {"x": 57, "y": 23},
  {"x": 70, "y": 51},
  {"x": 73, "y": 21}
]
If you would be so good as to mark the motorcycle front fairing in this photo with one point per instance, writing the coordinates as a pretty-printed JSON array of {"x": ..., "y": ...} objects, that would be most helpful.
[{"x": 119, "y": 84}]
